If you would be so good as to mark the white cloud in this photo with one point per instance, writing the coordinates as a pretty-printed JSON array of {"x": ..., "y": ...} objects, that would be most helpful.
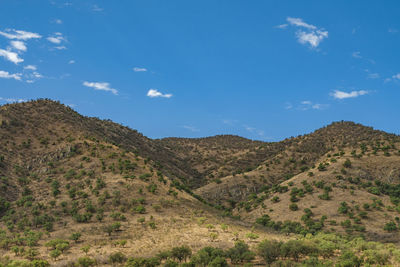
[
  {"x": 7, "y": 75},
  {"x": 137, "y": 69},
  {"x": 191, "y": 128},
  {"x": 396, "y": 76},
  {"x": 58, "y": 21},
  {"x": 37, "y": 75},
  {"x": 12, "y": 100},
  {"x": 18, "y": 45},
  {"x": 392, "y": 30},
  {"x": 30, "y": 67},
  {"x": 102, "y": 86},
  {"x": 309, "y": 34},
  {"x": 356, "y": 54},
  {"x": 313, "y": 38},
  {"x": 19, "y": 35},
  {"x": 56, "y": 38},
  {"x": 71, "y": 61},
  {"x": 253, "y": 130},
  {"x": 343, "y": 95},
  {"x": 306, "y": 105},
  {"x": 282, "y": 26},
  {"x": 10, "y": 56},
  {"x": 300, "y": 23},
  {"x": 155, "y": 93}
]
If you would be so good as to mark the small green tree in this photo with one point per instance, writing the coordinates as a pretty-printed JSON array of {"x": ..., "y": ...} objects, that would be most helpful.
[
  {"x": 181, "y": 253},
  {"x": 240, "y": 253},
  {"x": 269, "y": 250}
]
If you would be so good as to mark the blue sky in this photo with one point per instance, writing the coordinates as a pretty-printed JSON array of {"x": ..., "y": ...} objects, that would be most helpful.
[{"x": 260, "y": 69}]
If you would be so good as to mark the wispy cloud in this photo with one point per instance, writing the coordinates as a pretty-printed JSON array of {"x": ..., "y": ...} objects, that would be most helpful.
[
  {"x": 10, "y": 56},
  {"x": 343, "y": 95},
  {"x": 307, "y": 104},
  {"x": 7, "y": 75},
  {"x": 30, "y": 67},
  {"x": 307, "y": 34},
  {"x": 138, "y": 69},
  {"x": 58, "y": 21},
  {"x": 396, "y": 76},
  {"x": 356, "y": 54},
  {"x": 56, "y": 38},
  {"x": 392, "y": 30},
  {"x": 191, "y": 128},
  {"x": 102, "y": 86},
  {"x": 71, "y": 61},
  {"x": 300, "y": 23},
  {"x": 282, "y": 26},
  {"x": 19, "y": 35},
  {"x": 253, "y": 130},
  {"x": 12, "y": 100},
  {"x": 155, "y": 93},
  {"x": 18, "y": 45}
]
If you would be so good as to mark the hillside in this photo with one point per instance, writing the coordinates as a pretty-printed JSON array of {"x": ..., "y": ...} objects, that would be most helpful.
[{"x": 76, "y": 188}]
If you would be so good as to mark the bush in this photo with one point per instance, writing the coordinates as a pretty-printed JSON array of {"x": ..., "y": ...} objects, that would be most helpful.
[
  {"x": 349, "y": 259},
  {"x": 269, "y": 250},
  {"x": 86, "y": 262},
  {"x": 117, "y": 257},
  {"x": 181, "y": 253},
  {"x": 347, "y": 163},
  {"x": 390, "y": 227},
  {"x": 206, "y": 255},
  {"x": 142, "y": 262},
  {"x": 75, "y": 236},
  {"x": 295, "y": 249},
  {"x": 218, "y": 262},
  {"x": 293, "y": 207},
  {"x": 240, "y": 253}
]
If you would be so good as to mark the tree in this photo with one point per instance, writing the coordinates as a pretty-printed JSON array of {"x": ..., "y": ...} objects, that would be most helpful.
[
  {"x": 240, "y": 253},
  {"x": 269, "y": 250},
  {"x": 181, "y": 253},
  {"x": 218, "y": 262}
]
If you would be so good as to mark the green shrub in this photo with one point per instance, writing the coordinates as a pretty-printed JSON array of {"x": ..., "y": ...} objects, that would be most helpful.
[
  {"x": 349, "y": 259},
  {"x": 269, "y": 250},
  {"x": 117, "y": 257},
  {"x": 142, "y": 262},
  {"x": 86, "y": 262},
  {"x": 181, "y": 253},
  {"x": 390, "y": 227},
  {"x": 240, "y": 253}
]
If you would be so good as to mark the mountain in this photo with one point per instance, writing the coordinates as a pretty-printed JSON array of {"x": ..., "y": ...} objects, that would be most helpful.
[{"x": 68, "y": 182}]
